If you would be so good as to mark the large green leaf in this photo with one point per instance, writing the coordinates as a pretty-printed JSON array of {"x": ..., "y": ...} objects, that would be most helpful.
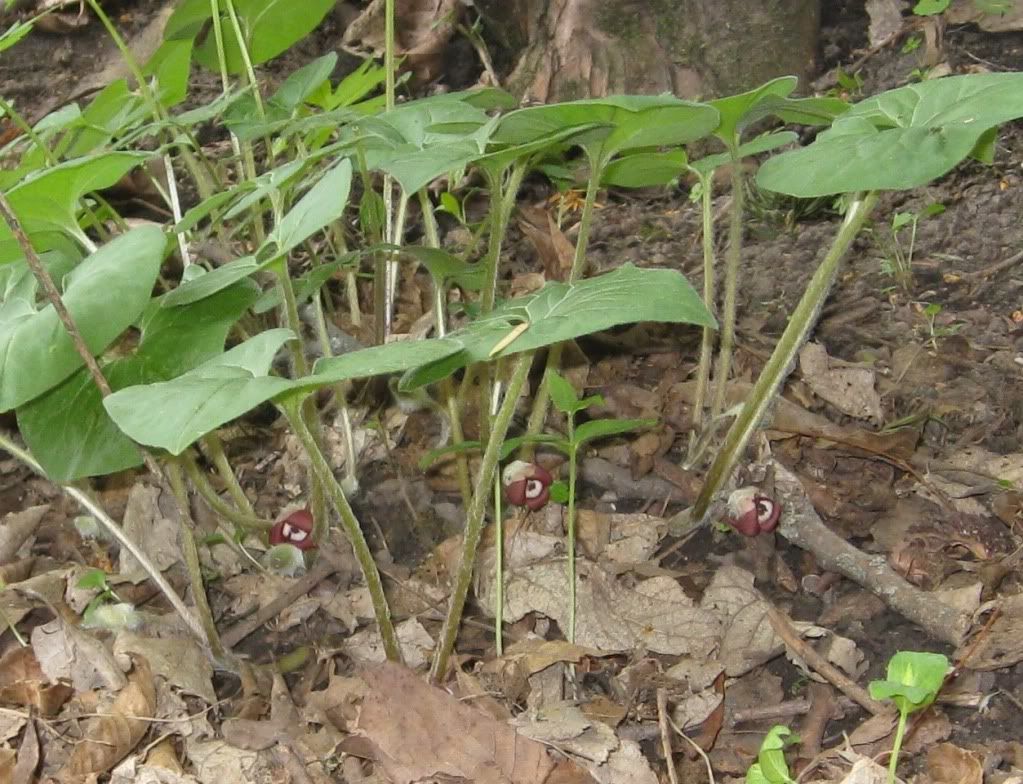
[
  {"x": 561, "y": 311},
  {"x": 69, "y": 431},
  {"x": 104, "y": 295},
  {"x": 173, "y": 414},
  {"x": 644, "y": 169},
  {"x": 899, "y": 139},
  {"x": 209, "y": 283},
  {"x": 636, "y": 121},
  {"x": 377, "y": 360},
  {"x": 321, "y": 204},
  {"x": 734, "y": 109},
  {"x": 48, "y": 201},
  {"x": 269, "y": 26}
]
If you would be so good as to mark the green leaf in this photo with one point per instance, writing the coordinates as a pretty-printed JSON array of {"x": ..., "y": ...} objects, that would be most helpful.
[
  {"x": 208, "y": 284},
  {"x": 93, "y": 579},
  {"x": 914, "y": 680},
  {"x": 563, "y": 394},
  {"x": 307, "y": 286},
  {"x": 644, "y": 169},
  {"x": 377, "y": 360},
  {"x": 930, "y": 7},
  {"x": 559, "y": 492},
  {"x": 14, "y": 34},
  {"x": 734, "y": 110},
  {"x": 561, "y": 311},
  {"x": 321, "y": 204},
  {"x": 68, "y": 430},
  {"x": 270, "y": 27},
  {"x": 446, "y": 268},
  {"x": 603, "y": 428},
  {"x": 171, "y": 65},
  {"x": 104, "y": 295},
  {"x": 48, "y": 201},
  {"x": 304, "y": 82},
  {"x": 900, "y": 139},
  {"x": 174, "y": 414},
  {"x": 761, "y": 144},
  {"x": 635, "y": 120},
  {"x": 354, "y": 87}
]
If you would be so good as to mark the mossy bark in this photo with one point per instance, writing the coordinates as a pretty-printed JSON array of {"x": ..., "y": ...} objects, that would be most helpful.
[{"x": 565, "y": 49}]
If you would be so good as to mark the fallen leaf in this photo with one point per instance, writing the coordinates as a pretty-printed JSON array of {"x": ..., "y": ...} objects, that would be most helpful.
[
  {"x": 179, "y": 660},
  {"x": 948, "y": 764},
  {"x": 418, "y": 731},
  {"x": 849, "y": 389},
  {"x": 885, "y": 19},
  {"x": 67, "y": 653},
  {"x": 22, "y": 682},
  {"x": 110, "y": 737},
  {"x": 748, "y": 639},
  {"x": 16, "y": 528}
]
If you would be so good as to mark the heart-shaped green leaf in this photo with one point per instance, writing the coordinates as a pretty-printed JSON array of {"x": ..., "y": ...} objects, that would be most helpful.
[
  {"x": 899, "y": 139},
  {"x": 104, "y": 295}
]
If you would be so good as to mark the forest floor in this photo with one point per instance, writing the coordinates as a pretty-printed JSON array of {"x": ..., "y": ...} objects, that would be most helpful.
[{"x": 904, "y": 428}]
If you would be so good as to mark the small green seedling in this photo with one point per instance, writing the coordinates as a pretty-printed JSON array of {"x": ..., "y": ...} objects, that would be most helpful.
[
  {"x": 898, "y": 255},
  {"x": 930, "y": 312},
  {"x": 106, "y": 610},
  {"x": 914, "y": 680},
  {"x": 771, "y": 767}
]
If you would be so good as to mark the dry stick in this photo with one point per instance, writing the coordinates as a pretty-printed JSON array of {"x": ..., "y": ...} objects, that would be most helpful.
[
  {"x": 820, "y": 665},
  {"x": 803, "y": 527},
  {"x": 662, "y": 723},
  {"x": 321, "y": 571}
]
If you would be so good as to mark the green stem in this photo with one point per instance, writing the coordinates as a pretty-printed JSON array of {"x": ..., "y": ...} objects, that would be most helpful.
[
  {"x": 572, "y": 463},
  {"x": 893, "y": 762},
  {"x": 215, "y": 450},
  {"x": 353, "y": 530},
  {"x": 732, "y": 258},
  {"x": 585, "y": 221},
  {"x": 498, "y": 567},
  {"x": 216, "y": 503},
  {"x": 474, "y": 521},
  {"x": 707, "y": 339},
  {"x": 191, "y": 556},
  {"x": 782, "y": 359}
]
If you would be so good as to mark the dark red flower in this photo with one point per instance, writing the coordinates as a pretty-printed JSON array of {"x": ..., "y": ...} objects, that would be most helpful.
[
  {"x": 751, "y": 513},
  {"x": 526, "y": 484},
  {"x": 296, "y": 529}
]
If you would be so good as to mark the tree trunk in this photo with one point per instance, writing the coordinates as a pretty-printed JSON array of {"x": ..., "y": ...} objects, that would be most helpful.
[{"x": 567, "y": 49}]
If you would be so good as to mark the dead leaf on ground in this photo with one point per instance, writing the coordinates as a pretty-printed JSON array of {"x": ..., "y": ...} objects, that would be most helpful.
[
  {"x": 109, "y": 738},
  {"x": 179, "y": 660},
  {"x": 28, "y": 757},
  {"x": 966, "y": 11},
  {"x": 549, "y": 241},
  {"x": 67, "y": 653},
  {"x": 367, "y": 647},
  {"x": 151, "y": 531},
  {"x": 16, "y": 528},
  {"x": 849, "y": 389},
  {"x": 748, "y": 639},
  {"x": 22, "y": 682},
  {"x": 418, "y": 731},
  {"x": 1002, "y": 644},
  {"x": 612, "y": 615},
  {"x": 948, "y": 764}
]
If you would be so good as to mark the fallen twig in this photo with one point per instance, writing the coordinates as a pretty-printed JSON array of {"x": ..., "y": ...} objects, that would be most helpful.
[{"x": 802, "y": 526}]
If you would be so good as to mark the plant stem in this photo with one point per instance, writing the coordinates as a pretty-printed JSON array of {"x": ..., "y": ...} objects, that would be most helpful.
[
  {"x": 707, "y": 338},
  {"x": 322, "y": 471},
  {"x": 893, "y": 763},
  {"x": 474, "y": 521},
  {"x": 218, "y": 505},
  {"x": 191, "y": 557},
  {"x": 782, "y": 359},
  {"x": 570, "y": 547},
  {"x": 732, "y": 258},
  {"x": 214, "y": 448},
  {"x": 498, "y": 567},
  {"x": 8, "y": 445}
]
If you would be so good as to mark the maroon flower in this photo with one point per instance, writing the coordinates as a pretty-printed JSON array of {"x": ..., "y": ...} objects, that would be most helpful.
[
  {"x": 296, "y": 529},
  {"x": 526, "y": 484},
  {"x": 751, "y": 513}
]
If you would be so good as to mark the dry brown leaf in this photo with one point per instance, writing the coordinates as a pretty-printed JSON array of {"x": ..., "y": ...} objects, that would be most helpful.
[
  {"x": 22, "y": 682},
  {"x": 418, "y": 731},
  {"x": 179, "y": 660},
  {"x": 612, "y": 615},
  {"x": 849, "y": 389},
  {"x": 154, "y": 533},
  {"x": 65, "y": 652},
  {"x": 549, "y": 241},
  {"x": 566, "y": 728},
  {"x": 948, "y": 764},
  {"x": 109, "y": 738},
  {"x": 748, "y": 639},
  {"x": 966, "y": 11},
  {"x": 28, "y": 757},
  {"x": 16, "y": 528}
]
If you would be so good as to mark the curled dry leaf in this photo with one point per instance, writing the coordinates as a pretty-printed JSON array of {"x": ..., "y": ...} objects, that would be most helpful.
[
  {"x": 109, "y": 738},
  {"x": 22, "y": 682},
  {"x": 16, "y": 528}
]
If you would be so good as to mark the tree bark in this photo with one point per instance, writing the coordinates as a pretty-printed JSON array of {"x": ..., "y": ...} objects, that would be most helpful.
[{"x": 568, "y": 49}]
